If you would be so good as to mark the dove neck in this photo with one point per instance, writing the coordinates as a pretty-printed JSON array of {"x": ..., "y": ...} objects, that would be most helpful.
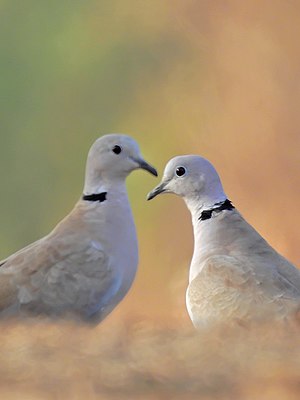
[
  {"x": 215, "y": 232},
  {"x": 95, "y": 188},
  {"x": 203, "y": 206},
  {"x": 216, "y": 209}
]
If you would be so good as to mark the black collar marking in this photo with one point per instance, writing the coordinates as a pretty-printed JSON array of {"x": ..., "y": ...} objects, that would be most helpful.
[
  {"x": 223, "y": 205},
  {"x": 101, "y": 197}
]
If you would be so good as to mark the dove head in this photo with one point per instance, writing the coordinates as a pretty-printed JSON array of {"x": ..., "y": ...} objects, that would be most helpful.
[
  {"x": 194, "y": 179},
  {"x": 111, "y": 159}
]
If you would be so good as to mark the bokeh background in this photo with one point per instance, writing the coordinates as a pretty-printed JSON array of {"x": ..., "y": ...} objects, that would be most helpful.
[
  {"x": 220, "y": 78},
  {"x": 216, "y": 78}
]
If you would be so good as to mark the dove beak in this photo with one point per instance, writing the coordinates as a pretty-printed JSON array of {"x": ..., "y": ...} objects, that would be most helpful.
[
  {"x": 147, "y": 167},
  {"x": 161, "y": 188}
]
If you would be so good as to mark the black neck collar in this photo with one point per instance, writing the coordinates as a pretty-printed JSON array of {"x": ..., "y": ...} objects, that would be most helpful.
[
  {"x": 101, "y": 197},
  {"x": 218, "y": 207}
]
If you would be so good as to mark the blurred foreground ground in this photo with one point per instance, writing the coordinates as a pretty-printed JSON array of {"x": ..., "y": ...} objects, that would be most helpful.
[
  {"x": 216, "y": 78},
  {"x": 138, "y": 361}
]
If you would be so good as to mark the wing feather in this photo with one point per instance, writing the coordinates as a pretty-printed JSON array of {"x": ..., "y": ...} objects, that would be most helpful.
[
  {"x": 54, "y": 278},
  {"x": 227, "y": 287}
]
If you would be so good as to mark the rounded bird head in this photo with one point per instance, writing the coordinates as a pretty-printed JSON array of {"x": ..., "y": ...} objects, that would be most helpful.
[
  {"x": 191, "y": 177},
  {"x": 111, "y": 158}
]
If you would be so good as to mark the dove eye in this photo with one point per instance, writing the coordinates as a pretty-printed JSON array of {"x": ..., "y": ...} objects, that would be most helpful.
[
  {"x": 180, "y": 171},
  {"x": 117, "y": 149}
]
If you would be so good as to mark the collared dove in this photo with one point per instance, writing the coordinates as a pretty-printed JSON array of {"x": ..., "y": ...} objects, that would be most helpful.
[
  {"x": 235, "y": 275},
  {"x": 86, "y": 265}
]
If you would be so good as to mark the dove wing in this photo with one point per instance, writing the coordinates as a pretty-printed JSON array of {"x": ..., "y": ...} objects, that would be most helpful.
[
  {"x": 233, "y": 287},
  {"x": 58, "y": 278}
]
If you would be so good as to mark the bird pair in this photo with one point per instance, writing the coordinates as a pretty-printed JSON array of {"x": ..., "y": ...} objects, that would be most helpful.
[{"x": 86, "y": 265}]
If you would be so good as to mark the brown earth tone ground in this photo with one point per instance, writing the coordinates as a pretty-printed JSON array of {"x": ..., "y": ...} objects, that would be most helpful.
[
  {"x": 217, "y": 78},
  {"x": 46, "y": 360}
]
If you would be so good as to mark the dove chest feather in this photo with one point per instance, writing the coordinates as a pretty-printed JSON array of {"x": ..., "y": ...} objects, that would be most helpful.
[
  {"x": 223, "y": 236},
  {"x": 115, "y": 234}
]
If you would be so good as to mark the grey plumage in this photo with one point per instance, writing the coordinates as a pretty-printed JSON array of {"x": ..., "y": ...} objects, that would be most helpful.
[
  {"x": 87, "y": 264},
  {"x": 234, "y": 274}
]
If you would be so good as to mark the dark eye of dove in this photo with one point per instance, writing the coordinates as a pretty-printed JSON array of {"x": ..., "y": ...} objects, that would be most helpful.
[
  {"x": 117, "y": 149},
  {"x": 180, "y": 171}
]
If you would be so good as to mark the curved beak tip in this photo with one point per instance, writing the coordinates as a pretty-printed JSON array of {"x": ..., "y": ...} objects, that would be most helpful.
[
  {"x": 154, "y": 172},
  {"x": 156, "y": 191},
  {"x": 147, "y": 167},
  {"x": 150, "y": 196}
]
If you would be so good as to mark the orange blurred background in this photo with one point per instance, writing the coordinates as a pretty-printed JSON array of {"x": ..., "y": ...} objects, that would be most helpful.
[{"x": 216, "y": 78}]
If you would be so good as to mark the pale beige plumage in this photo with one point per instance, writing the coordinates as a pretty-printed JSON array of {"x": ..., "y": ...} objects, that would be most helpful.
[
  {"x": 86, "y": 265},
  {"x": 235, "y": 275}
]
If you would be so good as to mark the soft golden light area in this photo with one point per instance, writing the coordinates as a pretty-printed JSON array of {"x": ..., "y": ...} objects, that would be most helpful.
[
  {"x": 140, "y": 361},
  {"x": 219, "y": 78}
]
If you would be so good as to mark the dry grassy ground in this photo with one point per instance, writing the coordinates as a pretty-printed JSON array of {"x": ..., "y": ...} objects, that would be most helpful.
[{"x": 44, "y": 360}]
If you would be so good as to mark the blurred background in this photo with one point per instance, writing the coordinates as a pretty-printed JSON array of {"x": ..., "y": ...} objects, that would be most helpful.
[
  {"x": 216, "y": 78},
  {"x": 220, "y": 78}
]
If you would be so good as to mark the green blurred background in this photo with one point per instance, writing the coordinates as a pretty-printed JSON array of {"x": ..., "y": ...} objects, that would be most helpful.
[{"x": 216, "y": 78}]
